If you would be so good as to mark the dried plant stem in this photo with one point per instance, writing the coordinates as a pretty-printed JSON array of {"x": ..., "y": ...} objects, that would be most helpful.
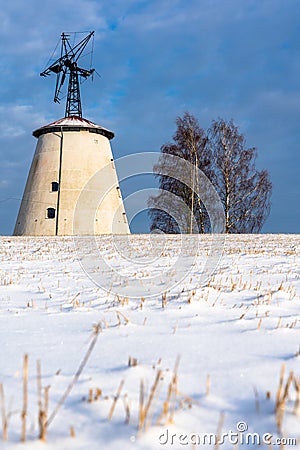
[
  {"x": 279, "y": 390},
  {"x": 90, "y": 395},
  {"x": 39, "y": 384},
  {"x": 282, "y": 395},
  {"x": 287, "y": 386},
  {"x": 146, "y": 409},
  {"x": 152, "y": 394},
  {"x": 44, "y": 413},
  {"x": 256, "y": 399},
  {"x": 175, "y": 327},
  {"x": 25, "y": 398},
  {"x": 174, "y": 389},
  {"x": 297, "y": 401},
  {"x": 169, "y": 404},
  {"x": 116, "y": 398},
  {"x": 119, "y": 315},
  {"x": 166, "y": 404},
  {"x": 3, "y": 413},
  {"x": 127, "y": 408},
  {"x": 41, "y": 417},
  {"x": 132, "y": 361},
  {"x": 208, "y": 384},
  {"x": 43, "y": 408},
  {"x": 219, "y": 430},
  {"x": 141, "y": 405},
  {"x": 96, "y": 330}
]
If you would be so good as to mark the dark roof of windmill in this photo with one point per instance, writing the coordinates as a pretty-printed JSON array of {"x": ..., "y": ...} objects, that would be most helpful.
[{"x": 73, "y": 123}]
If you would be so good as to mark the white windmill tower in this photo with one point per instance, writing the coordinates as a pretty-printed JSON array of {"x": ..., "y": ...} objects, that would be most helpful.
[{"x": 69, "y": 153}]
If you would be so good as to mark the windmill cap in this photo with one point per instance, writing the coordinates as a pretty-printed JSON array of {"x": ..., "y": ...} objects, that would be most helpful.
[{"x": 73, "y": 123}]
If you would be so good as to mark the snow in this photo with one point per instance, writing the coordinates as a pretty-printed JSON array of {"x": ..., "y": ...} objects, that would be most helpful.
[
  {"x": 231, "y": 334},
  {"x": 74, "y": 121}
]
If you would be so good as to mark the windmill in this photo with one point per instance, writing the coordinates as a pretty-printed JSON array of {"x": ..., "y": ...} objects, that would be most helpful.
[
  {"x": 71, "y": 152},
  {"x": 66, "y": 66}
]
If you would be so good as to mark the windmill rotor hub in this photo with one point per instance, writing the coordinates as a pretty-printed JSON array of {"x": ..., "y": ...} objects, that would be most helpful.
[
  {"x": 72, "y": 65},
  {"x": 67, "y": 65}
]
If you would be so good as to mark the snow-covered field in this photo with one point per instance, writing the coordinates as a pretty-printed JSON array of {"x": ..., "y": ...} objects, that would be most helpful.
[{"x": 204, "y": 359}]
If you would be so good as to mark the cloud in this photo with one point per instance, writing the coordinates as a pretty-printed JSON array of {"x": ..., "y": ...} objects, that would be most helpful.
[{"x": 157, "y": 59}]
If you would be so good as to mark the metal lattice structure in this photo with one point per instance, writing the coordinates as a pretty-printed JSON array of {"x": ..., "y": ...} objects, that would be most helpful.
[{"x": 65, "y": 66}]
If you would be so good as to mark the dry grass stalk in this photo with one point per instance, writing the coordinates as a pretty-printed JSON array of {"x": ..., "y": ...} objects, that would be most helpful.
[
  {"x": 74, "y": 300},
  {"x": 256, "y": 399},
  {"x": 297, "y": 401},
  {"x": 150, "y": 413},
  {"x": 45, "y": 414},
  {"x": 216, "y": 300},
  {"x": 42, "y": 406},
  {"x": 72, "y": 431},
  {"x": 98, "y": 393},
  {"x": 41, "y": 418},
  {"x": 259, "y": 323},
  {"x": 141, "y": 405},
  {"x": 185, "y": 400},
  {"x": 287, "y": 386},
  {"x": 119, "y": 315},
  {"x": 208, "y": 384},
  {"x": 281, "y": 397},
  {"x": 3, "y": 413},
  {"x": 96, "y": 331},
  {"x": 25, "y": 398},
  {"x": 175, "y": 327},
  {"x": 132, "y": 361},
  {"x": 127, "y": 408},
  {"x": 280, "y": 387},
  {"x": 116, "y": 398},
  {"x": 119, "y": 319},
  {"x": 243, "y": 315},
  {"x": 174, "y": 389},
  {"x": 219, "y": 431},
  {"x": 166, "y": 403},
  {"x": 280, "y": 288},
  {"x": 169, "y": 404},
  {"x": 145, "y": 410},
  {"x": 39, "y": 383}
]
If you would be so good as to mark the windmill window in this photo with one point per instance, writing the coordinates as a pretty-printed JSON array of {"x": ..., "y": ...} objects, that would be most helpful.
[
  {"x": 50, "y": 213},
  {"x": 54, "y": 186},
  {"x": 119, "y": 191}
]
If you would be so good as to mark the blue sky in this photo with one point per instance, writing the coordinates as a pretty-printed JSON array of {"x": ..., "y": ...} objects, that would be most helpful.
[{"x": 235, "y": 59}]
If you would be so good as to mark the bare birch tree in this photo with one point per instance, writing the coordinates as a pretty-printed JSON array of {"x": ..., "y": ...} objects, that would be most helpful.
[
  {"x": 189, "y": 143},
  {"x": 222, "y": 155},
  {"x": 244, "y": 191}
]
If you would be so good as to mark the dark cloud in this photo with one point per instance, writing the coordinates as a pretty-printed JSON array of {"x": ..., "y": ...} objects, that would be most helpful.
[{"x": 157, "y": 59}]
